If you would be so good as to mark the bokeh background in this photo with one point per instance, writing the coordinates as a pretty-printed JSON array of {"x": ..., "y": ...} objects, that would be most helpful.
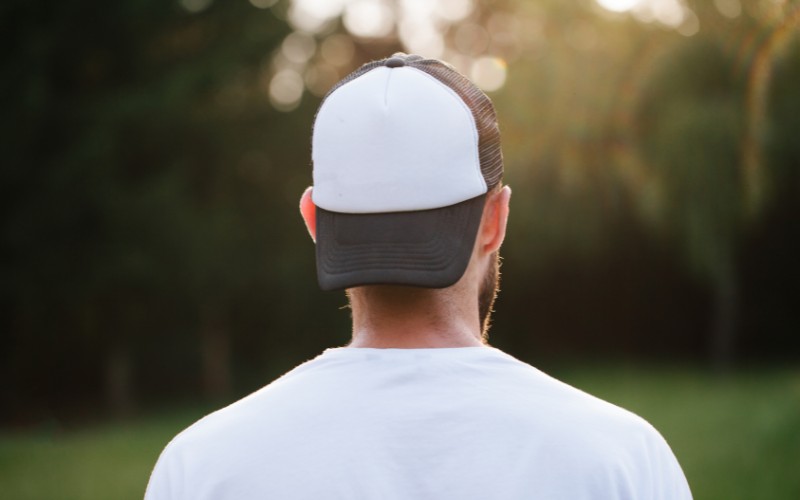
[{"x": 154, "y": 265}]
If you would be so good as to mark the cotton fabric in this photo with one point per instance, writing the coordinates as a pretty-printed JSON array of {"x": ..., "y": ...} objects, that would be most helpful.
[{"x": 460, "y": 423}]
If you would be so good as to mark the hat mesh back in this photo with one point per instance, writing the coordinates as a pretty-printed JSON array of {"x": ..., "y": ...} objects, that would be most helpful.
[
  {"x": 355, "y": 74},
  {"x": 489, "y": 152}
]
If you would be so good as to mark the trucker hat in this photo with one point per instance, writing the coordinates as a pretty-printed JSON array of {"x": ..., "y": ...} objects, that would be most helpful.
[{"x": 404, "y": 150}]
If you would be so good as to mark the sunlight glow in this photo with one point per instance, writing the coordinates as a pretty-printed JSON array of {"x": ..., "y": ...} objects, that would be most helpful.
[
  {"x": 369, "y": 18},
  {"x": 669, "y": 12},
  {"x": 286, "y": 89},
  {"x": 471, "y": 39},
  {"x": 421, "y": 38},
  {"x": 729, "y": 8},
  {"x": 313, "y": 16},
  {"x": 298, "y": 47},
  {"x": 672, "y": 13},
  {"x": 690, "y": 24},
  {"x": 337, "y": 49},
  {"x": 314, "y": 56},
  {"x": 454, "y": 10},
  {"x": 618, "y": 5},
  {"x": 320, "y": 78},
  {"x": 488, "y": 73}
]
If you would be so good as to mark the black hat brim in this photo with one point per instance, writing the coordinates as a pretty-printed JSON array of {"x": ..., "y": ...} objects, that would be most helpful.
[{"x": 425, "y": 248}]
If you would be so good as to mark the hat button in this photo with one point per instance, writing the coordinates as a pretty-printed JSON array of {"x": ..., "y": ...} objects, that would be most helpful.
[{"x": 395, "y": 62}]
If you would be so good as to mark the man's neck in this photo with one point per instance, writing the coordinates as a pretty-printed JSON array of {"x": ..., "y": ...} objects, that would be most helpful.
[{"x": 396, "y": 317}]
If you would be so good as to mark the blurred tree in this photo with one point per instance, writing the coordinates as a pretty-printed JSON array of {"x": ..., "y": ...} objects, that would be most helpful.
[
  {"x": 123, "y": 184},
  {"x": 155, "y": 152},
  {"x": 700, "y": 131},
  {"x": 691, "y": 122}
]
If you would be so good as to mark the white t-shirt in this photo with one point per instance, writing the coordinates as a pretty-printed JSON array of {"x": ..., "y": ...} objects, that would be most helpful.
[{"x": 455, "y": 423}]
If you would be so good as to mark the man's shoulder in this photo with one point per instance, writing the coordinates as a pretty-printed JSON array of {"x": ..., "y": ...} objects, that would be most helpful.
[
  {"x": 240, "y": 418},
  {"x": 221, "y": 440},
  {"x": 370, "y": 398},
  {"x": 548, "y": 401},
  {"x": 584, "y": 434}
]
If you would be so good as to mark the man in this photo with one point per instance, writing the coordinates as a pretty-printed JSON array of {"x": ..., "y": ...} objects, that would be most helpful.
[{"x": 408, "y": 213}]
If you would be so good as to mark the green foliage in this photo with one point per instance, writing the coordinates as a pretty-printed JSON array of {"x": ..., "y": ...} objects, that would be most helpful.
[
  {"x": 108, "y": 461},
  {"x": 142, "y": 181},
  {"x": 691, "y": 128},
  {"x": 736, "y": 437},
  {"x": 148, "y": 192},
  {"x": 781, "y": 143}
]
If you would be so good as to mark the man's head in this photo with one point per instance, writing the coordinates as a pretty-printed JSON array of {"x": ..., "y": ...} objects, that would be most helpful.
[{"x": 407, "y": 164}]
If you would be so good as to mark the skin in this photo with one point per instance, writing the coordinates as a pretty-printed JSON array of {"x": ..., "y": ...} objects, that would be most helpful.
[{"x": 386, "y": 316}]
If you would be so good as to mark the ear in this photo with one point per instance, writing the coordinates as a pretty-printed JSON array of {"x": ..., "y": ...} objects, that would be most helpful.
[
  {"x": 493, "y": 224},
  {"x": 309, "y": 212}
]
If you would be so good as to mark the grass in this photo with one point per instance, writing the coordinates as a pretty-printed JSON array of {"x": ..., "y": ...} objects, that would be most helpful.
[
  {"x": 737, "y": 437},
  {"x": 109, "y": 461}
]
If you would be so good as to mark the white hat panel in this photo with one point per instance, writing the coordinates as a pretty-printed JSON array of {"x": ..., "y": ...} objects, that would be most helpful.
[{"x": 392, "y": 140}]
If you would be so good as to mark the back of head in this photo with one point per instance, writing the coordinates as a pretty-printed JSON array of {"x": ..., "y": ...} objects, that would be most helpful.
[{"x": 404, "y": 151}]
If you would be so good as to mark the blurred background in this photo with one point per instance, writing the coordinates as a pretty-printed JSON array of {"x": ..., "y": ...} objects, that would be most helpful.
[{"x": 154, "y": 265}]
